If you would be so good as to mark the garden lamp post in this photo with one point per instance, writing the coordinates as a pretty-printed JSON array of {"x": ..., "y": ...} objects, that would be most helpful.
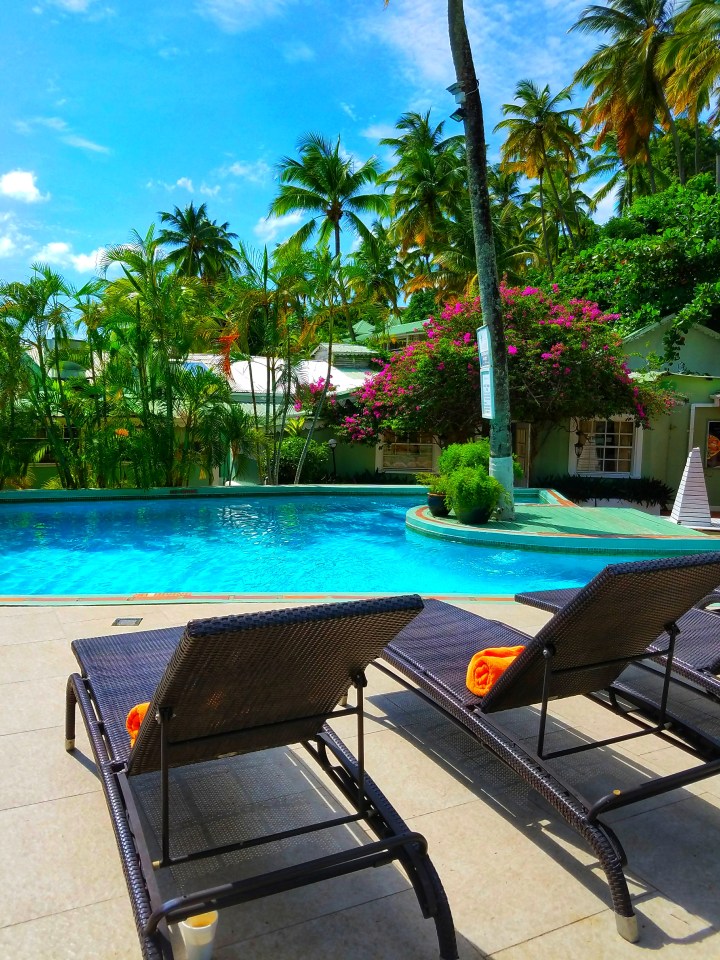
[{"x": 332, "y": 443}]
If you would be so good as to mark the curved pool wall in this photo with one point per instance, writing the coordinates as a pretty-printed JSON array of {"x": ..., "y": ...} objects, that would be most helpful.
[{"x": 250, "y": 543}]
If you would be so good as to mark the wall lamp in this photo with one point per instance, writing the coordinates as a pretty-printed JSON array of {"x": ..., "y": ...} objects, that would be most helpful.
[
  {"x": 459, "y": 115},
  {"x": 580, "y": 443}
]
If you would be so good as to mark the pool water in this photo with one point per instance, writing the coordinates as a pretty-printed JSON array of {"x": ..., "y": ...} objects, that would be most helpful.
[{"x": 306, "y": 544}]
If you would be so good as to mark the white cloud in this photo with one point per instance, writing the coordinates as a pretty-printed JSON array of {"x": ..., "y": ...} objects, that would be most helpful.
[
  {"x": 346, "y": 108},
  {"x": 508, "y": 45},
  {"x": 60, "y": 254},
  {"x": 182, "y": 183},
  {"x": 257, "y": 171},
  {"x": 7, "y": 245},
  {"x": 379, "y": 131},
  {"x": 20, "y": 185},
  {"x": 84, "y": 144},
  {"x": 606, "y": 208},
  {"x": 11, "y": 240},
  {"x": 209, "y": 191},
  {"x": 50, "y": 123},
  {"x": 73, "y": 6},
  {"x": 268, "y": 229},
  {"x": 297, "y": 52},
  {"x": 236, "y": 16}
]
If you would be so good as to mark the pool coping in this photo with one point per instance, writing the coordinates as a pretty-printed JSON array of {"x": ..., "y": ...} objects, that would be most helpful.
[
  {"x": 421, "y": 521},
  {"x": 151, "y": 599}
]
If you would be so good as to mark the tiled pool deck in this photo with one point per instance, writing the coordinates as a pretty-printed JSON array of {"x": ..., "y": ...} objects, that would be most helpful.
[
  {"x": 520, "y": 885},
  {"x": 571, "y": 529}
]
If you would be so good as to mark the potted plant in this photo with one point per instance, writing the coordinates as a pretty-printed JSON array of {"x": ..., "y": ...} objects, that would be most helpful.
[
  {"x": 436, "y": 484},
  {"x": 473, "y": 494}
]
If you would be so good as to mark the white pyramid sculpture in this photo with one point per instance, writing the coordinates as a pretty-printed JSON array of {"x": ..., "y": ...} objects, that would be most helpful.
[{"x": 691, "y": 507}]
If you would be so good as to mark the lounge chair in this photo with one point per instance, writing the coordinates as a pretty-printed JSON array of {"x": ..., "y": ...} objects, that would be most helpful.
[
  {"x": 697, "y": 649},
  {"x": 582, "y": 650},
  {"x": 228, "y": 686}
]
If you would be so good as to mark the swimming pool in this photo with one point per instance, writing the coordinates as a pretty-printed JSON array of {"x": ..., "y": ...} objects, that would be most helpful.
[{"x": 278, "y": 545}]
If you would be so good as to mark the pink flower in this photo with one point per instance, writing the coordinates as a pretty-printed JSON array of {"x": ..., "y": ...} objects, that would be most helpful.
[{"x": 512, "y": 350}]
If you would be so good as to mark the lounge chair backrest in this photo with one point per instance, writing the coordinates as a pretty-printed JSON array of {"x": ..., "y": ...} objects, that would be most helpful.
[
  {"x": 255, "y": 681},
  {"x": 615, "y": 617}
]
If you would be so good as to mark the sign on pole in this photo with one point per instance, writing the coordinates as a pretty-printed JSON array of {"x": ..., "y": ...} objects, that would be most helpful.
[{"x": 487, "y": 399}]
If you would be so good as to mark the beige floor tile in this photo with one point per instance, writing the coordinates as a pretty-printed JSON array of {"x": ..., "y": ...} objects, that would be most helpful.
[
  {"x": 32, "y": 704},
  {"x": 37, "y": 768},
  {"x": 506, "y": 878},
  {"x": 27, "y": 624},
  {"x": 47, "y": 658},
  {"x": 663, "y": 927},
  {"x": 100, "y": 931},
  {"x": 57, "y": 856},
  {"x": 388, "y": 929}
]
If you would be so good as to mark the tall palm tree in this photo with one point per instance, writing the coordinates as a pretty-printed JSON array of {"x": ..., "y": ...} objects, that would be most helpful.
[
  {"x": 501, "y": 464},
  {"x": 327, "y": 185},
  {"x": 627, "y": 76},
  {"x": 426, "y": 180},
  {"x": 203, "y": 248},
  {"x": 540, "y": 137},
  {"x": 692, "y": 56}
]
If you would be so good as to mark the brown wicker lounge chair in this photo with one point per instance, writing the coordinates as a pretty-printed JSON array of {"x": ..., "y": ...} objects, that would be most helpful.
[
  {"x": 235, "y": 685},
  {"x": 582, "y": 650},
  {"x": 697, "y": 649}
]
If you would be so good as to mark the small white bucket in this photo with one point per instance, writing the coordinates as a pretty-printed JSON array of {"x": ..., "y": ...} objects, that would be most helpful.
[{"x": 198, "y": 935}]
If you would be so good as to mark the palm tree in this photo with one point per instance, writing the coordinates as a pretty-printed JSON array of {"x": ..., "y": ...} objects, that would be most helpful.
[
  {"x": 540, "y": 137},
  {"x": 326, "y": 185},
  {"x": 203, "y": 248},
  {"x": 501, "y": 465},
  {"x": 692, "y": 56},
  {"x": 426, "y": 180},
  {"x": 627, "y": 76}
]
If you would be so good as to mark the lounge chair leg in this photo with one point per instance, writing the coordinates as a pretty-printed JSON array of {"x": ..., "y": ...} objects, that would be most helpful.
[
  {"x": 70, "y": 701},
  {"x": 627, "y": 927}
]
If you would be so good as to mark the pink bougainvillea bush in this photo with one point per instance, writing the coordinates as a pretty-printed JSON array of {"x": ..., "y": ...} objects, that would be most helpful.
[{"x": 564, "y": 360}]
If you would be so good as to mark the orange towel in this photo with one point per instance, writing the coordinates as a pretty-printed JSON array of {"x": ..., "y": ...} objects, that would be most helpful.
[
  {"x": 486, "y": 666},
  {"x": 134, "y": 719}
]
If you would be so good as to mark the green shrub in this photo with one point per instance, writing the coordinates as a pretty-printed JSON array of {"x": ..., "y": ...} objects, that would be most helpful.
[
  {"x": 471, "y": 488},
  {"x": 435, "y": 482},
  {"x": 315, "y": 467},
  {"x": 474, "y": 454},
  {"x": 645, "y": 490}
]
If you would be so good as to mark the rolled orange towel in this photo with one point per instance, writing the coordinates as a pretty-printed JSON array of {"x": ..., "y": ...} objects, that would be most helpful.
[
  {"x": 134, "y": 719},
  {"x": 486, "y": 666}
]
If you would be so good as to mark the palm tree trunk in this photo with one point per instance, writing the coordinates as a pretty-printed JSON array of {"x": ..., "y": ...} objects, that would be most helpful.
[
  {"x": 500, "y": 430},
  {"x": 676, "y": 141},
  {"x": 546, "y": 242},
  {"x": 561, "y": 211},
  {"x": 320, "y": 403}
]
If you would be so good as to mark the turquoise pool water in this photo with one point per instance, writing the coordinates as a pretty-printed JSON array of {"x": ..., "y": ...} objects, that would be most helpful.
[{"x": 307, "y": 544}]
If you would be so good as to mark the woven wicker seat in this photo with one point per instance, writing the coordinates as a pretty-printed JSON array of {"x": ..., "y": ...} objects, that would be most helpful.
[
  {"x": 223, "y": 688},
  {"x": 697, "y": 648},
  {"x": 583, "y": 649}
]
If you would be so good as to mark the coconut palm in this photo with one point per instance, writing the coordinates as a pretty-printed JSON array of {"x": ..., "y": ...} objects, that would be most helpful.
[
  {"x": 541, "y": 138},
  {"x": 326, "y": 184},
  {"x": 203, "y": 248},
  {"x": 476, "y": 153},
  {"x": 426, "y": 180},
  {"x": 628, "y": 76}
]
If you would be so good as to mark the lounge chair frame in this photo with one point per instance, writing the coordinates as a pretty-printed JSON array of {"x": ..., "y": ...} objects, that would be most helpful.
[
  {"x": 698, "y": 625},
  {"x": 395, "y": 842},
  {"x": 422, "y": 664}
]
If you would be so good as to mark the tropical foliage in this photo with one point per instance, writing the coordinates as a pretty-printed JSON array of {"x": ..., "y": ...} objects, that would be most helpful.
[{"x": 564, "y": 360}]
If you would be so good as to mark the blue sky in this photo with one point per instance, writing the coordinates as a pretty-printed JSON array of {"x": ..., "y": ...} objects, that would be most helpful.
[{"x": 113, "y": 111}]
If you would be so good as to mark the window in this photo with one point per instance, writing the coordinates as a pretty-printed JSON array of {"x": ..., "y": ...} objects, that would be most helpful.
[
  {"x": 406, "y": 452},
  {"x": 610, "y": 447}
]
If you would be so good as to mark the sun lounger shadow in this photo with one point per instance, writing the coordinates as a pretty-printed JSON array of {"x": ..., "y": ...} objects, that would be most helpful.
[
  {"x": 582, "y": 650},
  {"x": 526, "y": 810},
  {"x": 225, "y": 689}
]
